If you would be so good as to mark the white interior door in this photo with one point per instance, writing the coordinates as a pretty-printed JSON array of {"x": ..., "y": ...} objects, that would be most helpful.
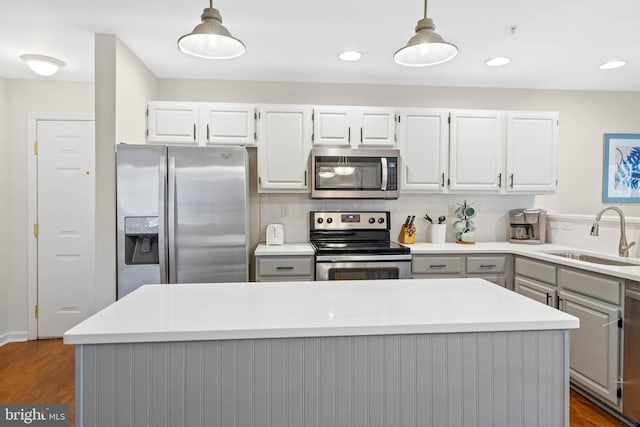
[{"x": 66, "y": 218}]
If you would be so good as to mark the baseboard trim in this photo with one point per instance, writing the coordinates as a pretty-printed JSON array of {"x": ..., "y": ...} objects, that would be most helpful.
[{"x": 14, "y": 336}]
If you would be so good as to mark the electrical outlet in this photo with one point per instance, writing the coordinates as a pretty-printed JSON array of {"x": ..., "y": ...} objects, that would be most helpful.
[
  {"x": 284, "y": 210},
  {"x": 451, "y": 211},
  {"x": 555, "y": 225},
  {"x": 567, "y": 226}
]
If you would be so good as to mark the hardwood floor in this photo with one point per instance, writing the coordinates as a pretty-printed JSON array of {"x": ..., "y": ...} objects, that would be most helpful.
[
  {"x": 40, "y": 371},
  {"x": 43, "y": 372}
]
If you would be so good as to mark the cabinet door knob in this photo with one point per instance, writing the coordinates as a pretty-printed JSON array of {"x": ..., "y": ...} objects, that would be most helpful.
[
  {"x": 500, "y": 180},
  {"x": 511, "y": 178},
  {"x": 194, "y": 131},
  {"x": 442, "y": 178}
]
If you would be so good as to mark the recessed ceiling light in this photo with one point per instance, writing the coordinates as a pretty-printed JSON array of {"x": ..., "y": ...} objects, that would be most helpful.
[
  {"x": 42, "y": 65},
  {"x": 612, "y": 64},
  {"x": 350, "y": 55},
  {"x": 498, "y": 61}
]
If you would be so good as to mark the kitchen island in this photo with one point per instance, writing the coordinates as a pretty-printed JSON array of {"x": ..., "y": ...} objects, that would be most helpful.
[{"x": 364, "y": 353}]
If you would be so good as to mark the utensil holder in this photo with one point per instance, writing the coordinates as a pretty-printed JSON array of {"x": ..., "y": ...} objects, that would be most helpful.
[
  {"x": 407, "y": 234},
  {"x": 438, "y": 233}
]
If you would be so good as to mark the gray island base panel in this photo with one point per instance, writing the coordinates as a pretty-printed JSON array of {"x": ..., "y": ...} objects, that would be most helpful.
[{"x": 517, "y": 378}]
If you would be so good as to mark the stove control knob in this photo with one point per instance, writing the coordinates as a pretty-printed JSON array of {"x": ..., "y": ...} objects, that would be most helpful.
[
  {"x": 329, "y": 220},
  {"x": 320, "y": 220},
  {"x": 372, "y": 220},
  {"x": 380, "y": 220}
]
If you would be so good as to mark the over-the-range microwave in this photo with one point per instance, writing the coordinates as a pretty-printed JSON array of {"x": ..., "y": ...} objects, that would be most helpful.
[{"x": 343, "y": 173}]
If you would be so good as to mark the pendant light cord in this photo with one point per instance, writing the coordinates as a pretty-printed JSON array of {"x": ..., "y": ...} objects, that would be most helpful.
[{"x": 425, "y": 9}]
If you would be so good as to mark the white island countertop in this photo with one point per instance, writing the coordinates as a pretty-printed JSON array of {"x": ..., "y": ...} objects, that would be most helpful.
[{"x": 194, "y": 312}]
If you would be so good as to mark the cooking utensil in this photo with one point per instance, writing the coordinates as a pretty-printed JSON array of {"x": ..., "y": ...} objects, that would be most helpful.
[
  {"x": 406, "y": 222},
  {"x": 428, "y": 218},
  {"x": 442, "y": 219},
  {"x": 413, "y": 217}
]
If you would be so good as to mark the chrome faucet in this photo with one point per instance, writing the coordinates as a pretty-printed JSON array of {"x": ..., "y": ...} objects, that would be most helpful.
[{"x": 623, "y": 247}]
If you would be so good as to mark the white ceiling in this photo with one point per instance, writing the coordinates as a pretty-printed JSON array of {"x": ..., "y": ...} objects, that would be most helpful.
[{"x": 558, "y": 44}]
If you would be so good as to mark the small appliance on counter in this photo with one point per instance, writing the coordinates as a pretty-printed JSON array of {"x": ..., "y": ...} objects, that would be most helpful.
[
  {"x": 528, "y": 226},
  {"x": 275, "y": 234}
]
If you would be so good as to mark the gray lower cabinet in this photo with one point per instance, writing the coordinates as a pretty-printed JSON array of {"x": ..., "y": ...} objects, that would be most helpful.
[
  {"x": 286, "y": 268},
  {"x": 596, "y": 300},
  {"x": 537, "y": 291},
  {"x": 492, "y": 267},
  {"x": 436, "y": 266},
  {"x": 595, "y": 346}
]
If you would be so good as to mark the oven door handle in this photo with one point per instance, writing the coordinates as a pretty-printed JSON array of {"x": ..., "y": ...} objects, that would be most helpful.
[
  {"x": 383, "y": 183},
  {"x": 339, "y": 233},
  {"x": 363, "y": 258}
]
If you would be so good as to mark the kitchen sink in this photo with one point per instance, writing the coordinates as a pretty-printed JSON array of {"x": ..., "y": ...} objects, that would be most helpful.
[{"x": 592, "y": 258}]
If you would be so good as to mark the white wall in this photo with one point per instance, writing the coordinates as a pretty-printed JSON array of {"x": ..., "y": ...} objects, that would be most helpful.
[
  {"x": 135, "y": 87},
  {"x": 29, "y": 96},
  {"x": 124, "y": 86},
  {"x": 4, "y": 210}
]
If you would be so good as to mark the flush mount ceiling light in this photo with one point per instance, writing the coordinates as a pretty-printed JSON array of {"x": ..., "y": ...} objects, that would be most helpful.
[
  {"x": 612, "y": 65},
  {"x": 42, "y": 65},
  {"x": 498, "y": 61},
  {"x": 426, "y": 47},
  {"x": 350, "y": 55},
  {"x": 210, "y": 39}
]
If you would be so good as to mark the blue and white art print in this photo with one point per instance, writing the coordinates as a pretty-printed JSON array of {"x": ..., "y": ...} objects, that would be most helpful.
[{"x": 621, "y": 168}]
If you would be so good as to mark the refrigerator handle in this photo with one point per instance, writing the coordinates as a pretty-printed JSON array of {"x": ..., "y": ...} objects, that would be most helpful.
[
  {"x": 171, "y": 209},
  {"x": 162, "y": 236}
]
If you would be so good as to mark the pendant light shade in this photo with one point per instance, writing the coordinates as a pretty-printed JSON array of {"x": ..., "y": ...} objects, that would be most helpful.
[
  {"x": 210, "y": 39},
  {"x": 426, "y": 47}
]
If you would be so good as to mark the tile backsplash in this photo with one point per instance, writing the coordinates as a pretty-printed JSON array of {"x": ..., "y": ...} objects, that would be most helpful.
[{"x": 292, "y": 210}]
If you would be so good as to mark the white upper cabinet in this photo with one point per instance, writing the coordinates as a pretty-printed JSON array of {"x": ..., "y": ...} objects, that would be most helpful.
[
  {"x": 226, "y": 124},
  {"x": 331, "y": 126},
  {"x": 532, "y": 140},
  {"x": 201, "y": 123},
  {"x": 476, "y": 151},
  {"x": 355, "y": 127},
  {"x": 283, "y": 149},
  {"x": 423, "y": 140},
  {"x": 172, "y": 122},
  {"x": 377, "y": 127}
]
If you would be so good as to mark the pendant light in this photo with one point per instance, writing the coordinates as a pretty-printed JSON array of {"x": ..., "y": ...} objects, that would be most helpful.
[
  {"x": 210, "y": 39},
  {"x": 426, "y": 47}
]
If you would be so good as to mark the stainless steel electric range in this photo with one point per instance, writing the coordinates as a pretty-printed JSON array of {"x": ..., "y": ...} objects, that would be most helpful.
[{"x": 356, "y": 246}]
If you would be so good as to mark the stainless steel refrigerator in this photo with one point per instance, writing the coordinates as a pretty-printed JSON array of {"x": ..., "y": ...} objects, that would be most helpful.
[{"x": 182, "y": 215}]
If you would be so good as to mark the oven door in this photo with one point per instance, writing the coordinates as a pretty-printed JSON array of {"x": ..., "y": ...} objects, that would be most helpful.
[{"x": 363, "y": 269}]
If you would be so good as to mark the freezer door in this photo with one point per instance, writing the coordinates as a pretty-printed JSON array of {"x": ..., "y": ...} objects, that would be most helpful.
[
  {"x": 140, "y": 195},
  {"x": 207, "y": 221}
]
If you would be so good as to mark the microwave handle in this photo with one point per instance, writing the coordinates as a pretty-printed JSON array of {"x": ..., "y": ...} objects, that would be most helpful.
[{"x": 385, "y": 171}]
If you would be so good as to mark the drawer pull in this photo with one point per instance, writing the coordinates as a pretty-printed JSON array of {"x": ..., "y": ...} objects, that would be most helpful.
[
  {"x": 437, "y": 265},
  {"x": 488, "y": 266},
  {"x": 284, "y": 268},
  {"x": 548, "y": 298}
]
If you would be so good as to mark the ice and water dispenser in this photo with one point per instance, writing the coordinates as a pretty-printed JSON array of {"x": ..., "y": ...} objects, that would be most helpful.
[{"x": 141, "y": 240}]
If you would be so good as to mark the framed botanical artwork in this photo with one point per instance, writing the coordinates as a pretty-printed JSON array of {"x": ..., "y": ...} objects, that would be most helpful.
[{"x": 621, "y": 181}]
